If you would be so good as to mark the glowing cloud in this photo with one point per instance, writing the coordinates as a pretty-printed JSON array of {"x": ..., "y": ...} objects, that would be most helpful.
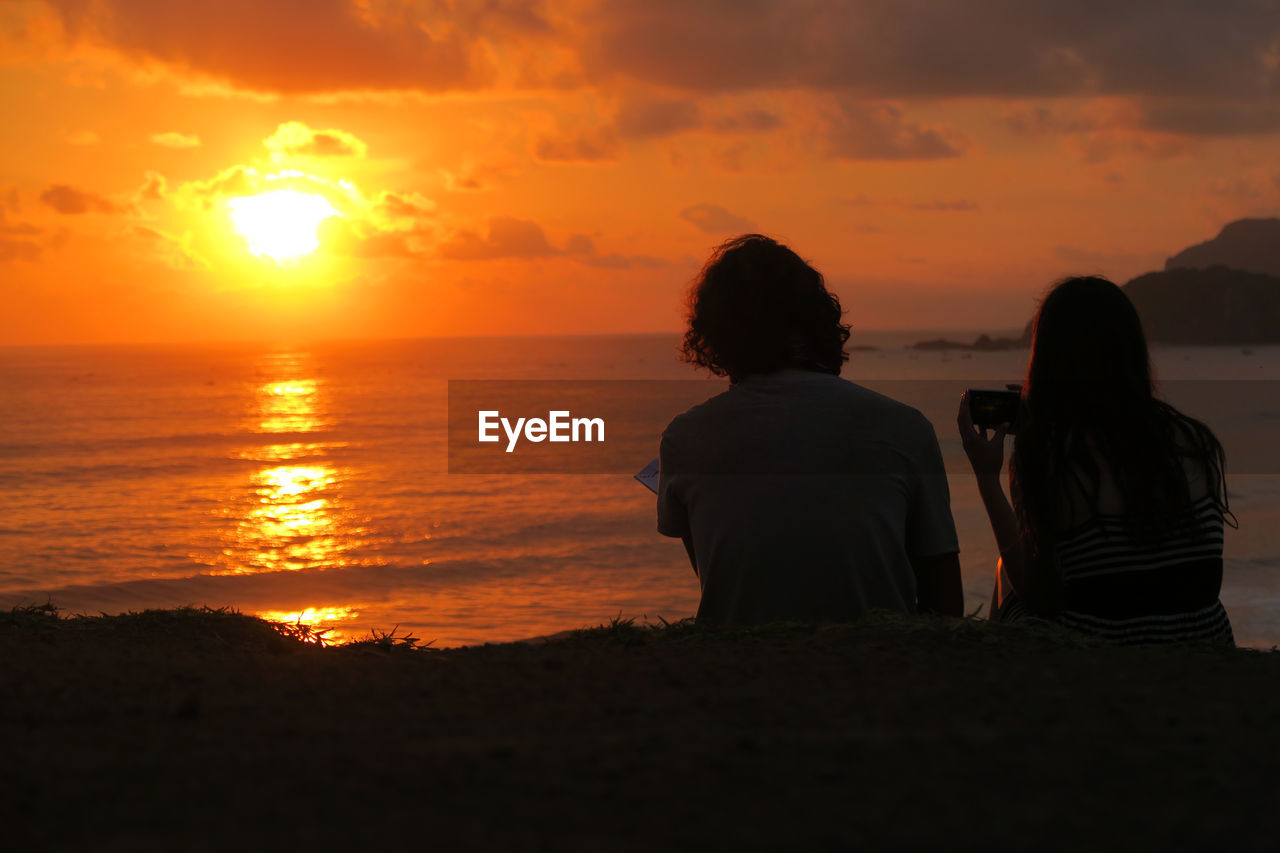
[
  {"x": 173, "y": 139},
  {"x": 294, "y": 137}
]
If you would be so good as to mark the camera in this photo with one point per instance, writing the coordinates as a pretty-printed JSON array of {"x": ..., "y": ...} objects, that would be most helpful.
[{"x": 989, "y": 408}]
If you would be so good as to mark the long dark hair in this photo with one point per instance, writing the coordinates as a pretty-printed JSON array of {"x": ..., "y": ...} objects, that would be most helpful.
[
  {"x": 758, "y": 307},
  {"x": 1089, "y": 396}
]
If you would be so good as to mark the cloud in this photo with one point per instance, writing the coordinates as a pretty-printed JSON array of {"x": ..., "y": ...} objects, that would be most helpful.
[
  {"x": 507, "y": 237},
  {"x": 649, "y": 118},
  {"x": 1212, "y": 118},
  {"x": 747, "y": 121},
  {"x": 646, "y": 118},
  {"x": 295, "y": 138},
  {"x": 19, "y": 229},
  {"x": 12, "y": 249},
  {"x": 512, "y": 238},
  {"x": 958, "y": 205},
  {"x": 474, "y": 176},
  {"x": 173, "y": 139},
  {"x": 238, "y": 181},
  {"x": 856, "y": 131},
  {"x": 403, "y": 208},
  {"x": 1152, "y": 127},
  {"x": 367, "y": 240},
  {"x": 70, "y": 201},
  {"x": 83, "y": 138},
  {"x": 582, "y": 146},
  {"x": 15, "y": 239},
  {"x": 732, "y": 158},
  {"x": 615, "y": 261},
  {"x": 298, "y": 46},
  {"x": 1100, "y": 129},
  {"x": 1101, "y": 146},
  {"x": 1049, "y": 119},
  {"x": 1093, "y": 259},
  {"x": 393, "y": 225},
  {"x": 172, "y": 250},
  {"x": 709, "y": 46},
  {"x": 921, "y": 48},
  {"x": 1192, "y": 68},
  {"x": 713, "y": 219},
  {"x": 583, "y": 248},
  {"x": 1238, "y": 188},
  {"x": 154, "y": 187},
  {"x": 392, "y": 245},
  {"x": 233, "y": 181},
  {"x": 1186, "y": 57}
]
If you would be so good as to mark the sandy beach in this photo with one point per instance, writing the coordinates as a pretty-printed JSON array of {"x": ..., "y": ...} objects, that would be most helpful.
[{"x": 210, "y": 730}]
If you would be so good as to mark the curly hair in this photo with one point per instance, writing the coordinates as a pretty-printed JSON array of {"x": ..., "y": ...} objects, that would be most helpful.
[{"x": 757, "y": 307}]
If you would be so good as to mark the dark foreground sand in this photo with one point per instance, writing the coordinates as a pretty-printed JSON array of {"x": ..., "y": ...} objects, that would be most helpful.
[{"x": 195, "y": 730}]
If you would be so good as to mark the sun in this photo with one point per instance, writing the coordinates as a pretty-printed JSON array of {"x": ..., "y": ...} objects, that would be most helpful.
[{"x": 280, "y": 225}]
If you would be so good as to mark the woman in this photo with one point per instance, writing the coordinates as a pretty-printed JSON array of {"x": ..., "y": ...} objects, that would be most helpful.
[{"x": 1119, "y": 499}]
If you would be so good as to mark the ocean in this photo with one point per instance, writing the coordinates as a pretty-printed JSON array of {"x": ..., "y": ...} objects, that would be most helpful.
[{"x": 311, "y": 482}]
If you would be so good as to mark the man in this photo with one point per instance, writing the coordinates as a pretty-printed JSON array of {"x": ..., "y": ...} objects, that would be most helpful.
[{"x": 800, "y": 496}]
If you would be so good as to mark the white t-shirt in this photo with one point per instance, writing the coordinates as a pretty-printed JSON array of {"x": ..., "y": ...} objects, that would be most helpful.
[{"x": 805, "y": 496}]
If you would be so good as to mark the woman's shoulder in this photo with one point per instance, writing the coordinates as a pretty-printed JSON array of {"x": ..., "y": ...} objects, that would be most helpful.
[{"x": 1200, "y": 453}]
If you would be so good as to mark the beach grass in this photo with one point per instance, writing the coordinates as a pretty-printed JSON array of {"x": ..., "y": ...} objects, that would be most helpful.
[
  {"x": 204, "y": 729},
  {"x": 217, "y": 626},
  {"x": 230, "y": 628}
]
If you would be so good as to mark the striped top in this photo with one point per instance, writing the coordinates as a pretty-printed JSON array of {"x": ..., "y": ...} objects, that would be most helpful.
[{"x": 1161, "y": 590}]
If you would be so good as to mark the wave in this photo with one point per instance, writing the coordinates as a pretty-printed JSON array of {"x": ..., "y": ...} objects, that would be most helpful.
[{"x": 55, "y": 447}]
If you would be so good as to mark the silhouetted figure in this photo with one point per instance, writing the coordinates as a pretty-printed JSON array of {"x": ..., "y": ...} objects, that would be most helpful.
[
  {"x": 1116, "y": 522},
  {"x": 799, "y": 495}
]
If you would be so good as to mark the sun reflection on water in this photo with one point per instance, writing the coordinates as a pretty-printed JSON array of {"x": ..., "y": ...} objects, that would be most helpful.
[
  {"x": 320, "y": 618},
  {"x": 290, "y": 405},
  {"x": 290, "y": 515},
  {"x": 288, "y": 452}
]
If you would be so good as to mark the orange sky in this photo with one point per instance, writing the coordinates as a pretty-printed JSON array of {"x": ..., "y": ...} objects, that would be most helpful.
[{"x": 565, "y": 166}]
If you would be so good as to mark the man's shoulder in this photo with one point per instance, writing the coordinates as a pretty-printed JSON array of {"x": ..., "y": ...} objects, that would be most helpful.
[
  {"x": 692, "y": 418},
  {"x": 895, "y": 411},
  {"x": 847, "y": 396}
]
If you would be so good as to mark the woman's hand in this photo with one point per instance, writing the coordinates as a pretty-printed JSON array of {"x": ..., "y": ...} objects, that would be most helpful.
[{"x": 986, "y": 454}]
